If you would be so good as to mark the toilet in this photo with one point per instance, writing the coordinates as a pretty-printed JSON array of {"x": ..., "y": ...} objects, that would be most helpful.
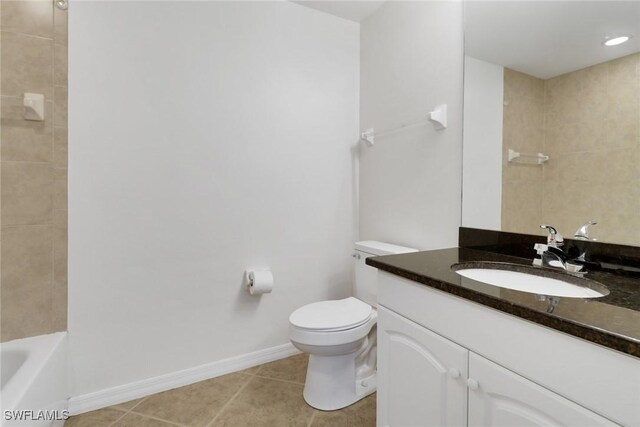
[{"x": 340, "y": 337}]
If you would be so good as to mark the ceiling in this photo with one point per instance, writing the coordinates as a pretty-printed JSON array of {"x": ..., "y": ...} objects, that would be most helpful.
[
  {"x": 540, "y": 38},
  {"x": 549, "y": 38},
  {"x": 351, "y": 10}
]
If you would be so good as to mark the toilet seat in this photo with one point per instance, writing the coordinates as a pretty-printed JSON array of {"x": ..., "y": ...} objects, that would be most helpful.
[
  {"x": 321, "y": 338},
  {"x": 331, "y": 316}
]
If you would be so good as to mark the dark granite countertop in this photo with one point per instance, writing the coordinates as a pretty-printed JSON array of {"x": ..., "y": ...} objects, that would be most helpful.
[{"x": 612, "y": 321}]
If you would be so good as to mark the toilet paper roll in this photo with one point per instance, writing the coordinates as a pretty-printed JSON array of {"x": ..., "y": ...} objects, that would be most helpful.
[{"x": 260, "y": 282}]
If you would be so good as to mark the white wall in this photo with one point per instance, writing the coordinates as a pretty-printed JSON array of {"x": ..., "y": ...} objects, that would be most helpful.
[
  {"x": 410, "y": 182},
  {"x": 482, "y": 154},
  {"x": 205, "y": 138}
]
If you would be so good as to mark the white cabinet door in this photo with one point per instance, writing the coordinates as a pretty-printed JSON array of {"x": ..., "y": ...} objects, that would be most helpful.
[
  {"x": 498, "y": 397},
  {"x": 421, "y": 376}
]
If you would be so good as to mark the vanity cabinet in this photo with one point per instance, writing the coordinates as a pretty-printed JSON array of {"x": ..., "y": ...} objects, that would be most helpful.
[
  {"x": 423, "y": 375},
  {"x": 446, "y": 361},
  {"x": 427, "y": 380},
  {"x": 498, "y": 397}
]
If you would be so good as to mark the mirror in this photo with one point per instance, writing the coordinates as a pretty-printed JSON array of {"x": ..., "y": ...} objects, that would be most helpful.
[{"x": 552, "y": 117}]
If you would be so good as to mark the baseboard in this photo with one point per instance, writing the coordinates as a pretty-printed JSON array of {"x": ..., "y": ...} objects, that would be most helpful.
[{"x": 135, "y": 390}]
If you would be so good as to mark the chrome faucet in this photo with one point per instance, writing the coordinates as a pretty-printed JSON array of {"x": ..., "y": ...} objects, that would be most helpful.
[
  {"x": 551, "y": 255},
  {"x": 554, "y": 239},
  {"x": 582, "y": 233}
]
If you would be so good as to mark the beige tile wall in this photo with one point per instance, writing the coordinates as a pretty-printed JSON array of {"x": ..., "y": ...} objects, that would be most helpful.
[
  {"x": 592, "y": 135},
  {"x": 33, "y": 176},
  {"x": 523, "y": 131},
  {"x": 592, "y": 125}
]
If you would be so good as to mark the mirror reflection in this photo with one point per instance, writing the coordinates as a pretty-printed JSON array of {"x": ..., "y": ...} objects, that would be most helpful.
[{"x": 552, "y": 118}]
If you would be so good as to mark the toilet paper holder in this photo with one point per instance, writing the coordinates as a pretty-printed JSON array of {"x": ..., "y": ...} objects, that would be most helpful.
[{"x": 259, "y": 281}]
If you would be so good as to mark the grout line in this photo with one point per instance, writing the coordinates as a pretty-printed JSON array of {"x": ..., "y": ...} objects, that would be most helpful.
[
  {"x": 27, "y": 161},
  {"x": 138, "y": 404},
  {"x": 15, "y": 97},
  {"x": 131, "y": 411},
  {"x": 155, "y": 418},
  {"x": 53, "y": 81},
  {"x": 53, "y": 316},
  {"x": 313, "y": 417},
  {"x": 278, "y": 379},
  {"x": 28, "y": 35},
  {"x": 243, "y": 373},
  {"x": 126, "y": 411},
  {"x": 48, "y": 224},
  {"x": 226, "y": 405},
  {"x": 119, "y": 418}
]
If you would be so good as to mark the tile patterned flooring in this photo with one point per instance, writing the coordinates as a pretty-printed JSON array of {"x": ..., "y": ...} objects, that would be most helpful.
[{"x": 265, "y": 395}]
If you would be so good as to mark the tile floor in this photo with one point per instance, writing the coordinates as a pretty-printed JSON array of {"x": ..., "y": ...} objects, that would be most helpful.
[{"x": 265, "y": 395}]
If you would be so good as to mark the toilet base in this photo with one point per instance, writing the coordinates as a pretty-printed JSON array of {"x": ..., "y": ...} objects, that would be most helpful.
[
  {"x": 332, "y": 382},
  {"x": 339, "y": 380}
]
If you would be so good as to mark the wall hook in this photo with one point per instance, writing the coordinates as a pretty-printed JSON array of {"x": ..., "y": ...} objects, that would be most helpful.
[
  {"x": 33, "y": 106},
  {"x": 368, "y": 136},
  {"x": 439, "y": 117},
  {"x": 62, "y": 4}
]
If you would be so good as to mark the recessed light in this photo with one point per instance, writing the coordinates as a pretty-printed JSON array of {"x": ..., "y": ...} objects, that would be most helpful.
[{"x": 614, "y": 41}]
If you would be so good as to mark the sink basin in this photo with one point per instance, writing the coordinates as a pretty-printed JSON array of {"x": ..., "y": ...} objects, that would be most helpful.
[{"x": 531, "y": 279}]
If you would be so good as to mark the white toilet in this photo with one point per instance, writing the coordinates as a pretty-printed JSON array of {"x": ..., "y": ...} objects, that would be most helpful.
[{"x": 340, "y": 337}]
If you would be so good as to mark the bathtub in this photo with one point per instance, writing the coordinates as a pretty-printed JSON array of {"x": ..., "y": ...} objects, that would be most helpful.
[{"x": 33, "y": 381}]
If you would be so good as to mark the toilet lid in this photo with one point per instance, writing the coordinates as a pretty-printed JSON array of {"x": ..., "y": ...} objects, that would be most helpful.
[{"x": 335, "y": 315}]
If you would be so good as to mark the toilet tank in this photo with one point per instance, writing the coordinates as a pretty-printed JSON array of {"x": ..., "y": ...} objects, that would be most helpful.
[{"x": 365, "y": 285}]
